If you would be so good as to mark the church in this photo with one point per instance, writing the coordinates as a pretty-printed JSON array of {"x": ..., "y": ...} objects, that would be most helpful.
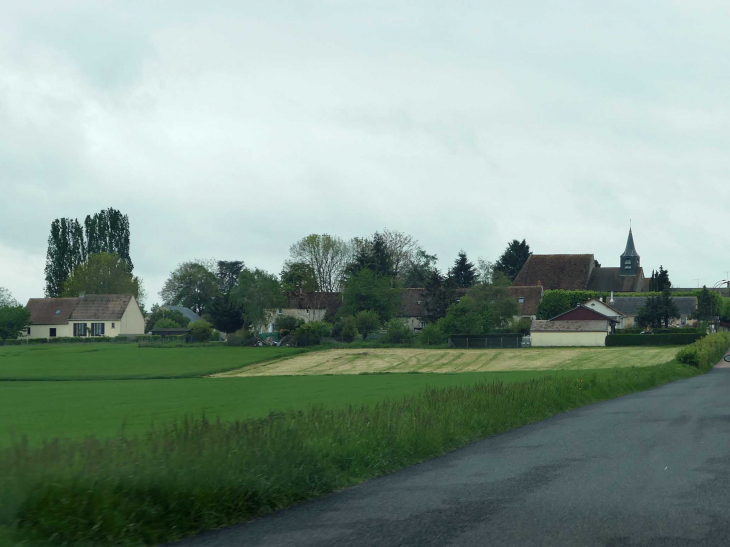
[{"x": 582, "y": 272}]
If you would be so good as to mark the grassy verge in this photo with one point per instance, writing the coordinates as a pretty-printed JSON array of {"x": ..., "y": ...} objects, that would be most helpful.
[{"x": 196, "y": 475}]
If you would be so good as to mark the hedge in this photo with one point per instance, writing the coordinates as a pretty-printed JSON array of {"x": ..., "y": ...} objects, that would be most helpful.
[
  {"x": 678, "y": 330},
  {"x": 681, "y": 339},
  {"x": 706, "y": 352}
]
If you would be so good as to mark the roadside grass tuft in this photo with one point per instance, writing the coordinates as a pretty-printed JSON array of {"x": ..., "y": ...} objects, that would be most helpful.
[{"x": 199, "y": 474}]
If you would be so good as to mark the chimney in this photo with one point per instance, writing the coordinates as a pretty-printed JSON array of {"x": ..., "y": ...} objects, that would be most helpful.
[
  {"x": 600, "y": 299},
  {"x": 611, "y": 301}
]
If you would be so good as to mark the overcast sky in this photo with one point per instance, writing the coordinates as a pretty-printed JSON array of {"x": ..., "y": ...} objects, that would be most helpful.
[{"x": 229, "y": 130}]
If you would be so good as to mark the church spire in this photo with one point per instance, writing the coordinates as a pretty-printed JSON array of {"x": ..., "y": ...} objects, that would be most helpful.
[{"x": 630, "y": 249}]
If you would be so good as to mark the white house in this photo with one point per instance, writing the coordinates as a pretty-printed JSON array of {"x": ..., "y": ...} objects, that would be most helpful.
[
  {"x": 89, "y": 315},
  {"x": 604, "y": 309}
]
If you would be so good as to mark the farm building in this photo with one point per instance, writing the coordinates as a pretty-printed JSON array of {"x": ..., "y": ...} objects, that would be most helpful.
[
  {"x": 570, "y": 333},
  {"x": 528, "y": 299},
  {"x": 189, "y": 314},
  {"x": 585, "y": 313},
  {"x": 308, "y": 306},
  {"x": 90, "y": 315}
]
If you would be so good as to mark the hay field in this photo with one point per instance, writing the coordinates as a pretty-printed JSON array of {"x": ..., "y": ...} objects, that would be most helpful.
[{"x": 403, "y": 360}]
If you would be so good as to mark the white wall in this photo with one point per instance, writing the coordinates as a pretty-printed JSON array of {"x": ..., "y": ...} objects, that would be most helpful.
[
  {"x": 553, "y": 339},
  {"x": 132, "y": 321}
]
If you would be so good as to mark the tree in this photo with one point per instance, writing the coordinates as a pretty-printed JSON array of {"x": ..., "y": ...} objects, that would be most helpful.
[
  {"x": 108, "y": 232},
  {"x": 659, "y": 280},
  {"x": 158, "y": 313},
  {"x": 513, "y": 258},
  {"x": 668, "y": 306},
  {"x": 256, "y": 293},
  {"x": 419, "y": 269},
  {"x": 397, "y": 332},
  {"x": 287, "y": 324},
  {"x": 439, "y": 293},
  {"x": 193, "y": 285},
  {"x": 328, "y": 256},
  {"x": 66, "y": 250},
  {"x": 201, "y": 330},
  {"x": 488, "y": 274},
  {"x": 165, "y": 323},
  {"x": 374, "y": 255},
  {"x": 484, "y": 310},
  {"x": 224, "y": 314},
  {"x": 296, "y": 276},
  {"x": 348, "y": 330},
  {"x": 367, "y": 322},
  {"x": 366, "y": 290},
  {"x": 13, "y": 321},
  {"x": 705, "y": 309},
  {"x": 70, "y": 244},
  {"x": 463, "y": 273},
  {"x": 103, "y": 273},
  {"x": 658, "y": 311},
  {"x": 401, "y": 248},
  {"x": 6, "y": 299}
]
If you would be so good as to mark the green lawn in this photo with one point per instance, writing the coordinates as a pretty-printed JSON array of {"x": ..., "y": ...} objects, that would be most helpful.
[
  {"x": 125, "y": 361},
  {"x": 43, "y": 410}
]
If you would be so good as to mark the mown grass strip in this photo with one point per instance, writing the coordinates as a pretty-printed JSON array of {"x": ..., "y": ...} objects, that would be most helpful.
[{"x": 198, "y": 474}]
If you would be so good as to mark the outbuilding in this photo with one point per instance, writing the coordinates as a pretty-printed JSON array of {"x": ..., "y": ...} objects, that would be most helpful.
[{"x": 590, "y": 332}]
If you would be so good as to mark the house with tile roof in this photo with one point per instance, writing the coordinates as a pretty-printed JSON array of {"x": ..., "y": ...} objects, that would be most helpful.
[
  {"x": 629, "y": 307},
  {"x": 574, "y": 272},
  {"x": 581, "y": 332},
  {"x": 87, "y": 315}
]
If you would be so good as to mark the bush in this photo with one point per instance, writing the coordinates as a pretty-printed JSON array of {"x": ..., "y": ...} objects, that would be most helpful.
[
  {"x": 242, "y": 337},
  {"x": 367, "y": 322},
  {"x": 681, "y": 339},
  {"x": 149, "y": 338},
  {"x": 705, "y": 352},
  {"x": 398, "y": 332},
  {"x": 348, "y": 329},
  {"x": 679, "y": 330},
  {"x": 215, "y": 336},
  {"x": 286, "y": 324},
  {"x": 166, "y": 323},
  {"x": 431, "y": 335},
  {"x": 311, "y": 334},
  {"x": 200, "y": 330}
]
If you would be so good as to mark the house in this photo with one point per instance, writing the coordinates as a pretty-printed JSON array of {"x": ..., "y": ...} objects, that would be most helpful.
[
  {"x": 87, "y": 315},
  {"x": 585, "y": 313},
  {"x": 570, "y": 332},
  {"x": 189, "y": 314},
  {"x": 629, "y": 307},
  {"x": 574, "y": 272},
  {"x": 308, "y": 306},
  {"x": 413, "y": 308},
  {"x": 528, "y": 299},
  {"x": 601, "y": 307}
]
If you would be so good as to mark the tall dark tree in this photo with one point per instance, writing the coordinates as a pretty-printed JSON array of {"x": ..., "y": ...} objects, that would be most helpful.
[
  {"x": 513, "y": 258},
  {"x": 374, "y": 255},
  {"x": 66, "y": 250},
  {"x": 419, "y": 269},
  {"x": 224, "y": 313},
  {"x": 463, "y": 273},
  {"x": 705, "y": 308},
  {"x": 439, "y": 293},
  {"x": 108, "y": 232},
  {"x": 296, "y": 276},
  {"x": 668, "y": 306},
  {"x": 192, "y": 285},
  {"x": 662, "y": 279}
]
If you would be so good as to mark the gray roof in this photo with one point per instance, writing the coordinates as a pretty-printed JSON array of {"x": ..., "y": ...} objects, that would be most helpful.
[
  {"x": 100, "y": 307},
  {"x": 570, "y": 326},
  {"x": 629, "y": 305},
  {"x": 187, "y": 312},
  {"x": 630, "y": 249}
]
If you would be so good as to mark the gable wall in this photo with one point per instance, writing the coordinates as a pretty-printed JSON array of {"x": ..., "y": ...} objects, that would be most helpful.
[{"x": 132, "y": 321}]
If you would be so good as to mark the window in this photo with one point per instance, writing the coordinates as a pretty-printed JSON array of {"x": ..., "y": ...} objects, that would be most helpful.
[
  {"x": 51, "y": 333},
  {"x": 419, "y": 302},
  {"x": 627, "y": 267},
  {"x": 97, "y": 329},
  {"x": 79, "y": 329},
  {"x": 58, "y": 312},
  {"x": 627, "y": 262},
  {"x": 112, "y": 325},
  {"x": 521, "y": 300},
  {"x": 278, "y": 312},
  {"x": 28, "y": 331}
]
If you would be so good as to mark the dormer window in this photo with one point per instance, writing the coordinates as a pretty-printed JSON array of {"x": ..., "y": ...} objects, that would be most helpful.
[
  {"x": 58, "y": 312},
  {"x": 521, "y": 300}
]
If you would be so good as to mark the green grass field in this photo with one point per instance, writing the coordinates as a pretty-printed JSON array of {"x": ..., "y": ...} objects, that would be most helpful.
[
  {"x": 125, "y": 361},
  {"x": 140, "y": 388}
]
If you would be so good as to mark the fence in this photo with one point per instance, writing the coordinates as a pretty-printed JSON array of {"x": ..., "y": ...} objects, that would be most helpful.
[{"x": 486, "y": 341}]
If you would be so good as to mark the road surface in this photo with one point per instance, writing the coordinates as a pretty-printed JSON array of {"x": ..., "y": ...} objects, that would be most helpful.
[{"x": 648, "y": 469}]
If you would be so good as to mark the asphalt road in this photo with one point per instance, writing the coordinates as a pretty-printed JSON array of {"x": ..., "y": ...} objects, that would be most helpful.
[{"x": 647, "y": 469}]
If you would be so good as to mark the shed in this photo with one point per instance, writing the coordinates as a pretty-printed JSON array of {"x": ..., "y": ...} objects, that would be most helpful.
[{"x": 570, "y": 333}]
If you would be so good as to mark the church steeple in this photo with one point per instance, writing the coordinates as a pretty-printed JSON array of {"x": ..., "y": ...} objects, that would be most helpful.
[{"x": 630, "y": 259}]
